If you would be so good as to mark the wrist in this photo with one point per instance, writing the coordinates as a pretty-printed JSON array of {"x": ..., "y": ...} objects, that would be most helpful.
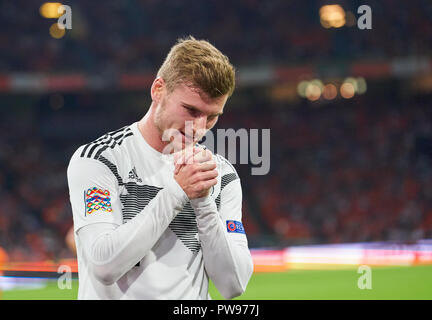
[{"x": 176, "y": 190}]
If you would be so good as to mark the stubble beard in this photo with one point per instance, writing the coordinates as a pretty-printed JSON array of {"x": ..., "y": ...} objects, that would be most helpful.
[
  {"x": 171, "y": 145},
  {"x": 158, "y": 119}
]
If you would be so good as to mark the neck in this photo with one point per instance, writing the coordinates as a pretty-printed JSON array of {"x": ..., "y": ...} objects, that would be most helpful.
[{"x": 150, "y": 132}]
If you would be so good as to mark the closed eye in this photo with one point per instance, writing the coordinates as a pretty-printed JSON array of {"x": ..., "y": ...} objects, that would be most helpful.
[
  {"x": 195, "y": 113},
  {"x": 210, "y": 118},
  {"x": 192, "y": 111}
]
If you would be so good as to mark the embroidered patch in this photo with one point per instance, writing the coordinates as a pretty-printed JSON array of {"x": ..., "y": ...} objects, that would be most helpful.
[
  {"x": 235, "y": 226},
  {"x": 97, "y": 200}
]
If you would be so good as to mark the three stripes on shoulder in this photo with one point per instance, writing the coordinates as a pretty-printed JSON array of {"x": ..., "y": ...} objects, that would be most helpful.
[{"x": 110, "y": 140}]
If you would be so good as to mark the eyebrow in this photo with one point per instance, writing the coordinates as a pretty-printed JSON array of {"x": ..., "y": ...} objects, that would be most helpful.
[{"x": 196, "y": 109}]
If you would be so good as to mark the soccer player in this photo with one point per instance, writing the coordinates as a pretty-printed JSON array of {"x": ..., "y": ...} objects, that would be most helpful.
[{"x": 152, "y": 220}]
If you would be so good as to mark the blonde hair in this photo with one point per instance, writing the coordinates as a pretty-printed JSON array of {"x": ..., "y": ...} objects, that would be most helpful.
[{"x": 198, "y": 64}]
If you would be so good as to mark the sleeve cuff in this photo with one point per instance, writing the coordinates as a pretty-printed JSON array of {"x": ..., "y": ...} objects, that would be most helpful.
[
  {"x": 201, "y": 202},
  {"x": 175, "y": 189}
]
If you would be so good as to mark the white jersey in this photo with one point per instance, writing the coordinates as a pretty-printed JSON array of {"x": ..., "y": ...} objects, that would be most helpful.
[{"x": 137, "y": 234}]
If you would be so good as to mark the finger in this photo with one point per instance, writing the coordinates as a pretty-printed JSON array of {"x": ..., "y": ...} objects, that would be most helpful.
[
  {"x": 178, "y": 166},
  {"x": 204, "y": 185},
  {"x": 181, "y": 156},
  {"x": 195, "y": 168},
  {"x": 186, "y": 156},
  {"x": 190, "y": 157},
  {"x": 209, "y": 165},
  {"x": 199, "y": 154},
  {"x": 203, "y": 156},
  {"x": 204, "y": 176},
  {"x": 177, "y": 169},
  {"x": 179, "y": 159}
]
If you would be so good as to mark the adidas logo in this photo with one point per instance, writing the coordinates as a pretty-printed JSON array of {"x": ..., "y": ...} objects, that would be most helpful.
[{"x": 133, "y": 175}]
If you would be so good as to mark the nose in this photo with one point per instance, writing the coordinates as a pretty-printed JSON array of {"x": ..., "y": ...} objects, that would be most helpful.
[
  {"x": 200, "y": 122},
  {"x": 200, "y": 126}
]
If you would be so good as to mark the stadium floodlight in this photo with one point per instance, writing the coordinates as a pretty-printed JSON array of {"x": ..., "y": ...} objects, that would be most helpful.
[
  {"x": 50, "y": 10},
  {"x": 332, "y": 16}
]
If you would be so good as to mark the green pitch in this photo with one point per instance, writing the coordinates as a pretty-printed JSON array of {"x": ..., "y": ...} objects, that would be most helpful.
[{"x": 387, "y": 283}]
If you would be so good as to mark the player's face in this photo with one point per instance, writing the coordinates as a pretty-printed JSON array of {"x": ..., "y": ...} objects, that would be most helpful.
[{"x": 186, "y": 115}]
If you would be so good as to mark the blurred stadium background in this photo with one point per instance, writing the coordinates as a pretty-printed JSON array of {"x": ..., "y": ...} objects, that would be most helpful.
[{"x": 350, "y": 113}]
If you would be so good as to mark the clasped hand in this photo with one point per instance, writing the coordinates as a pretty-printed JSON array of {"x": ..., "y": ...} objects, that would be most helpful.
[{"x": 195, "y": 171}]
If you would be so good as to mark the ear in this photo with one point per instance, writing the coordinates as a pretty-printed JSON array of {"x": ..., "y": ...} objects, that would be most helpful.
[{"x": 157, "y": 89}]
